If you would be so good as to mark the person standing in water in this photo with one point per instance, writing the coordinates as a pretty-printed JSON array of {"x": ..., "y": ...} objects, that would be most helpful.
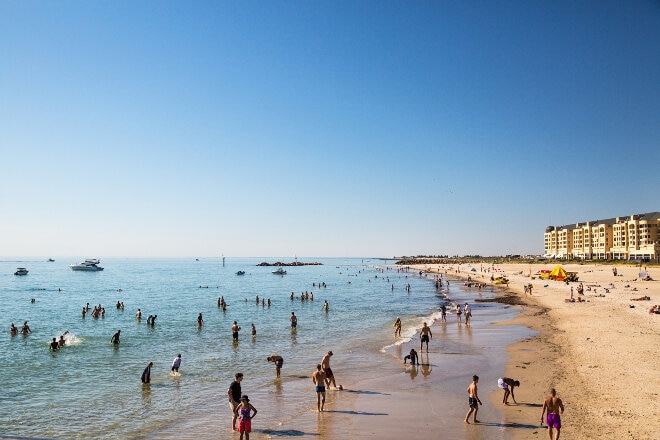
[
  {"x": 176, "y": 364},
  {"x": 294, "y": 320},
  {"x": 397, "y": 327},
  {"x": 278, "y": 360},
  {"x": 146, "y": 374},
  {"x": 234, "y": 331},
  {"x": 115, "y": 338},
  {"x": 200, "y": 321},
  {"x": 319, "y": 379},
  {"x": 424, "y": 335},
  {"x": 242, "y": 412},
  {"x": 329, "y": 376}
]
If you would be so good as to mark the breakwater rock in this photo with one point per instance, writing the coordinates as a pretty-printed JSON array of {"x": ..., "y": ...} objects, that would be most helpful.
[{"x": 294, "y": 263}]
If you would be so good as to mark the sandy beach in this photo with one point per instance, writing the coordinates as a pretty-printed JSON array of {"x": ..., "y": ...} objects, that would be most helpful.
[{"x": 599, "y": 353}]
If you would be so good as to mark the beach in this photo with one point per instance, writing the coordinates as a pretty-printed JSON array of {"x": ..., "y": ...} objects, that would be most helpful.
[
  {"x": 596, "y": 353},
  {"x": 599, "y": 354}
]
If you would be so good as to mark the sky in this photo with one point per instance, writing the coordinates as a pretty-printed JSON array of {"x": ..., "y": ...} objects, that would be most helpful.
[{"x": 339, "y": 129}]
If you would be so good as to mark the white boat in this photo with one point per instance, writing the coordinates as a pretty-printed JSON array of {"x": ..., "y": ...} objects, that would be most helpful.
[
  {"x": 279, "y": 271},
  {"x": 21, "y": 271},
  {"x": 90, "y": 265}
]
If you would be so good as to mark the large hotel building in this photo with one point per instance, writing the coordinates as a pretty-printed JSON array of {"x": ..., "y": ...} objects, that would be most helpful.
[{"x": 635, "y": 237}]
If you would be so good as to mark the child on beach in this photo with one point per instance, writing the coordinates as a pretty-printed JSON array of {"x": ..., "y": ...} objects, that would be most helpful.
[{"x": 242, "y": 411}]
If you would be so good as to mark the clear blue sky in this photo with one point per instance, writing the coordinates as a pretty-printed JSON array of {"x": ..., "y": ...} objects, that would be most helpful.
[{"x": 308, "y": 128}]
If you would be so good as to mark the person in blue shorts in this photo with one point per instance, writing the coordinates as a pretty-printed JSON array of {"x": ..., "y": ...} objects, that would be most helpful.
[{"x": 318, "y": 377}]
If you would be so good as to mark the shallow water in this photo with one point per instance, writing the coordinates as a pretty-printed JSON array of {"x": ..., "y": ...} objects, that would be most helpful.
[{"x": 92, "y": 389}]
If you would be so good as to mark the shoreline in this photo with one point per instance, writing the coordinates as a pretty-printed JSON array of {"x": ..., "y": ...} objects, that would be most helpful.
[{"x": 598, "y": 353}]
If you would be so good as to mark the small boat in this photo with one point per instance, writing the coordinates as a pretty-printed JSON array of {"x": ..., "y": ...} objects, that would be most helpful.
[
  {"x": 240, "y": 272},
  {"x": 50, "y": 260},
  {"x": 279, "y": 271},
  {"x": 21, "y": 271},
  {"x": 89, "y": 265}
]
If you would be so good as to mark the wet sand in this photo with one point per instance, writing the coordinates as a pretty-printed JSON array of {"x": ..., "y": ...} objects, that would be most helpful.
[{"x": 394, "y": 400}]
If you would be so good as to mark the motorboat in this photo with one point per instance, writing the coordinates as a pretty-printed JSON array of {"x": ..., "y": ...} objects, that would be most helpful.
[
  {"x": 90, "y": 265},
  {"x": 50, "y": 260},
  {"x": 279, "y": 271},
  {"x": 240, "y": 272},
  {"x": 21, "y": 271}
]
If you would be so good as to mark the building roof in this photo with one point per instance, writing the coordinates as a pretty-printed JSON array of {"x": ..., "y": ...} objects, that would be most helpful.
[{"x": 649, "y": 216}]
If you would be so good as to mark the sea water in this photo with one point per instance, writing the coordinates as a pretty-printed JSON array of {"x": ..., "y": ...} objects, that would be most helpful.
[{"x": 91, "y": 388}]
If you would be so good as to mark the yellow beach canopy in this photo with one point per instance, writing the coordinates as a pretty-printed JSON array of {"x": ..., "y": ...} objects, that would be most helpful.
[{"x": 558, "y": 273}]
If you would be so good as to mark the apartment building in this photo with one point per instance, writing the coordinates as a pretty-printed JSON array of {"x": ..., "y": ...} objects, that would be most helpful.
[{"x": 634, "y": 237}]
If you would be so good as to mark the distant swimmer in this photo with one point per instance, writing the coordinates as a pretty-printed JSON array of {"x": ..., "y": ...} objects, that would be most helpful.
[
  {"x": 326, "y": 306},
  {"x": 53, "y": 345},
  {"x": 424, "y": 335},
  {"x": 176, "y": 364},
  {"x": 329, "y": 375},
  {"x": 294, "y": 320},
  {"x": 278, "y": 360},
  {"x": 13, "y": 330},
  {"x": 319, "y": 379},
  {"x": 115, "y": 338},
  {"x": 253, "y": 330},
  {"x": 146, "y": 374},
  {"x": 397, "y": 327},
  {"x": 138, "y": 314},
  {"x": 61, "y": 342},
  {"x": 200, "y": 321}
]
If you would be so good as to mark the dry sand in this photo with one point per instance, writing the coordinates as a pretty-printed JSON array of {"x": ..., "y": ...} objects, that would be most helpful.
[{"x": 600, "y": 355}]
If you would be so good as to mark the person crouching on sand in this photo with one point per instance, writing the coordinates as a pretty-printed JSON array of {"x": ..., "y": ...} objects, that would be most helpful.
[
  {"x": 412, "y": 356},
  {"x": 505, "y": 383},
  {"x": 242, "y": 412}
]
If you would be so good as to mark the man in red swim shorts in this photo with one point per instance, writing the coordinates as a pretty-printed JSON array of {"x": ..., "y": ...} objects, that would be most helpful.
[{"x": 554, "y": 406}]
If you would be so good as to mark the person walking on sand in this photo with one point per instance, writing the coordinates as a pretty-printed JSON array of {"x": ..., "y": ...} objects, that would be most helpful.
[
  {"x": 424, "y": 335},
  {"x": 467, "y": 310},
  {"x": 473, "y": 400},
  {"x": 319, "y": 379},
  {"x": 505, "y": 383},
  {"x": 329, "y": 376},
  {"x": 242, "y": 412},
  {"x": 554, "y": 406},
  {"x": 146, "y": 374},
  {"x": 234, "y": 394},
  {"x": 279, "y": 361},
  {"x": 458, "y": 313}
]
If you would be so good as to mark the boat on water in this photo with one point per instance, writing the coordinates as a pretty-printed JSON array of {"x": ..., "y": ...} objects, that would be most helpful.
[
  {"x": 279, "y": 271},
  {"x": 90, "y": 265},
  {"x": 21, "y": 271},
  {"x": 240, "y": 272},
  {"x": 50, "y": 260}
]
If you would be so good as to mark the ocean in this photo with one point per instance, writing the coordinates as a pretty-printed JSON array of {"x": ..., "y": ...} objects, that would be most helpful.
[{"x": 92, "y": 389}]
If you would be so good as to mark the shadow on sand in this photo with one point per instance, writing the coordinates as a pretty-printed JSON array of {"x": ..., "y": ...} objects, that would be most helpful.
[
  {"x": 286, "y": 433},
  {"x": 367, "y": 392}
]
